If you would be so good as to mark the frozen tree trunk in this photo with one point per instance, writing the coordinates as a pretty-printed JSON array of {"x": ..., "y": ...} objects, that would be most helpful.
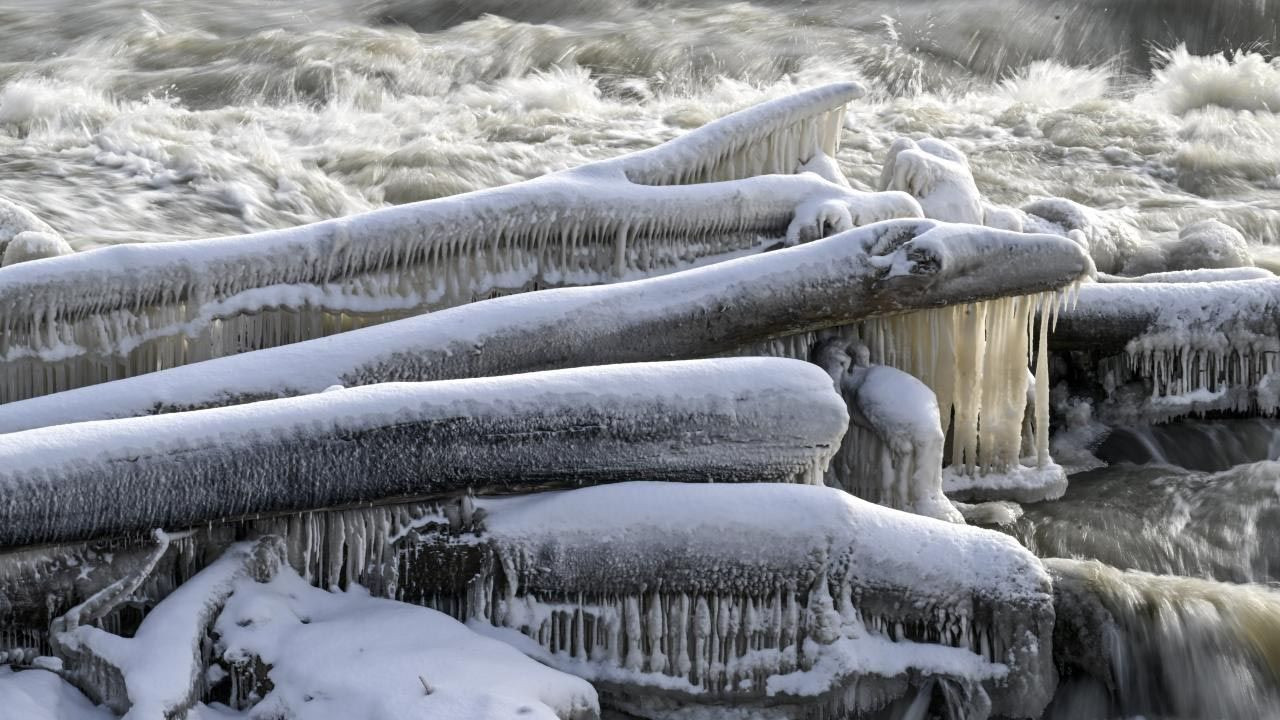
[
  {"x": 753, "y": 419},
  {"x": 885, "y": 268},
  {"x": 132, "y": 309},
  {"x": 1111, "y": 316}
]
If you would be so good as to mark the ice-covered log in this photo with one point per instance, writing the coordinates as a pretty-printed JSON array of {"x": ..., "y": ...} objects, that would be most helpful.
[
  {"x": 751, "y": 419},
  {"x": 159, "y": 672},
  {"x": 297, "y": 651},
  {"x": 131, "y": 309},
  {"x": 886, "y": 268},
  {"x": 759, "y": 595},
  {"x": 1208, "y": 275},
  {"x": 1198, "y": 346}
]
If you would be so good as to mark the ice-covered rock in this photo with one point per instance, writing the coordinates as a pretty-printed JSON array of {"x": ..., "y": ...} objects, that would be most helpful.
[
  {"x": 892, "y": 454},
  {"x": 1110, "y": 240},
  {"x": 1208, "y": 244},
  {"x": 37, "y": 694},
  {"x": 1189, "y": 346},
  {"x": 33, "y": 245},
  {"x": 744, "y": 419},
  {"x": 937, "y": 174},
  {"x": 880, "y": 269}
]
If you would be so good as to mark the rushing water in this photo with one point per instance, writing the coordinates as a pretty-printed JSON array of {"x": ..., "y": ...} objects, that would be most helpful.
[
  {"x": 167, "y": 119},
  {"x": 161, "y": 119}
]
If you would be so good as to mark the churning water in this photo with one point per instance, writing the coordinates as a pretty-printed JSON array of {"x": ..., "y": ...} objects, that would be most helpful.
[{"x": 136, "y": 120}]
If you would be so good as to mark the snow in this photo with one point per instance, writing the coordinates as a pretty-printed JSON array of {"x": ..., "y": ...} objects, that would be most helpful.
[
  {"x": 734, "y": 419},
  {"x": 1209, "y": 244},
  {"x": 343, "y": 655},
  {"x": 161, "y": 665},
  {"x": 1112, "y": 242},
  {"x": 32, "y": 245},
  {"x": 42, "y": 695}
]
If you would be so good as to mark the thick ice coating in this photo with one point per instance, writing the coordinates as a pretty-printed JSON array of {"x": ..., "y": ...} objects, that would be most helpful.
[
  {"x": 762, "y": 594},
  {"x": 749, "y": 419},
  {"x": 131, "y": 309},
  {"x": 1195, "y": 346},
  {"x": 885, "y": 268}
]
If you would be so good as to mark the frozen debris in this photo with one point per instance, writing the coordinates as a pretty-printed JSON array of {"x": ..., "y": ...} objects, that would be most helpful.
[
  {"x": 297, "y": 652},
  {"x": 42, "y": 695},
  {"x": 732, "y": 419},
  {"x": 892, "y": 454},
  {"x": 762, "y": 595},
  {"x": 888, "y": 267},
  {"x": 159, "y": 672},
  {"x": 1110, "y": 240},
  {"x": 1209, "y": 244},
  {"x": 1190, "y": 347},
  {"x": 937, "y": 174},
  {"x": 130, "y": 309}
]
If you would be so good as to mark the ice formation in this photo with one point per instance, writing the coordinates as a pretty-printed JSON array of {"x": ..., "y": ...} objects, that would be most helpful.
[
  {"x": 1192, "y": 346},
  {"x": 749, "y": 419},
  {"x": 936, "y": 174},
  {"x": 892, "y": 454},
  {"x": 889, "y": 267},
  {"x": 762, "y": 595},
  {"x": 16, "y": 220},
  {"x": 726, "y": 189}
]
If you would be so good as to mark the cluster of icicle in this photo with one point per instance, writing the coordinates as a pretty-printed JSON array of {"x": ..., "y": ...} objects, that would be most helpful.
[
  {"x": 71, "y": 322},
  {"x": 1240, "y": 377},
  {"x": 975, "y": 357}
]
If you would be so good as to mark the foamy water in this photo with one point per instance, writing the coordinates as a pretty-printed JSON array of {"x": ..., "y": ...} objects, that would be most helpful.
[{"x": 154, "y": 121}]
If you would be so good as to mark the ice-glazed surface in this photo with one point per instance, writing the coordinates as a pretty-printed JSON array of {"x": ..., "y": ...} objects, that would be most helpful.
[
  {"x": 344, "y": 655},
  {"x": 749, "y": 419},
  {"x": 883, "y": 268}
]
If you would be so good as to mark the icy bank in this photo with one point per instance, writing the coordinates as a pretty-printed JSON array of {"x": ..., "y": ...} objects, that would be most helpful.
[
  {"x": 885, "y": 268},
  {"x": 761, "y": 595},
  {"x": 132, "y": 309},
  {"x": 750, "y": 419}
]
